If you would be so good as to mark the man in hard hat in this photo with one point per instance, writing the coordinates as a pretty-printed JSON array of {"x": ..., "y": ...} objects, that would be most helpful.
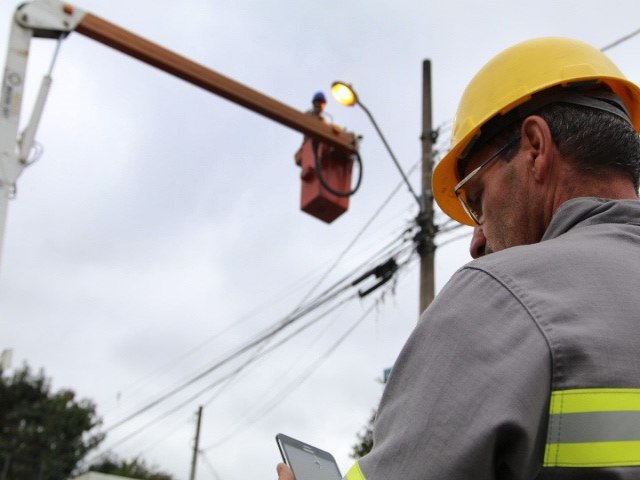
[
  {"x": 527, "y": 364},
  {"x": 318, "y": 103}
]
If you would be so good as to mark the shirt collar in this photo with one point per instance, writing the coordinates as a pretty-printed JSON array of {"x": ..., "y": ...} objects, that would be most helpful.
[{"x": 579, "y": 212}]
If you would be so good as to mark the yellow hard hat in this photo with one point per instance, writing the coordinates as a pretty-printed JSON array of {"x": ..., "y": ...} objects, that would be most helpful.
[{"x": 508, "y": 81}]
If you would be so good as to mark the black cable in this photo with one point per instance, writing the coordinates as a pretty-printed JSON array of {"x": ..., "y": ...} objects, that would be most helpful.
[
  {"x": 315, "y": 146},
  {"x": 209, "y": 464},
  {"x": 385, "y": 202},
  {"x": 296, "y": 382},
  {"x": 367, "y": 224},
  {"x": 450, "y": 228},
  {"x": 323, "y": 298},
  {"x": 270, "y": 333},
  {"x": 251, "y": 360},
  {"x": 620, "y": 40},
  {"x": 297, "y": 314},
  {"x": 248, "y": 315},
  {"x": 231, "y": 374},
  {"x": 457, "y": 237},
  {"x": 223, "y": 378}
]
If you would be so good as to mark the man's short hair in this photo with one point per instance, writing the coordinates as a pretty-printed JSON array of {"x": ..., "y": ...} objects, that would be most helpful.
[{"x": 594, "y": 140}]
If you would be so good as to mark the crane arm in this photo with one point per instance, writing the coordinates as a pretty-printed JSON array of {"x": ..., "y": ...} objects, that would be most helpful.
[
  {"x": 53, "y": 19},
  {"x": 196, "y": 74}
]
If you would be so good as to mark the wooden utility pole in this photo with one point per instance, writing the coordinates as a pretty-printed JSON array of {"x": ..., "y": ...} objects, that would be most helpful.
[
  {"x": 196, "y": 445},
  {"x": 426, "y": 245}
]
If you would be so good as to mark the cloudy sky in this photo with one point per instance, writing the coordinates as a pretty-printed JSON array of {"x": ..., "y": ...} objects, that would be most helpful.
[{"x": 160, "y": 230}]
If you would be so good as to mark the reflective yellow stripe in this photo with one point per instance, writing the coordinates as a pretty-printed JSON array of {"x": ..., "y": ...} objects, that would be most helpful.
[
  {"x": 595, "y": 454},
  {"x": 597, "y": 427},
  {"x": 595, "y": 400},
  {"x": 355, "y": 473}
]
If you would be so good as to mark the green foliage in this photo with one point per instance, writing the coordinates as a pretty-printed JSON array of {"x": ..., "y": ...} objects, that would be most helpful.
[
  {"x": 365, "y": 439},
  {"x": 43, "y": 435},
  {"x": 135, "y": 468}
]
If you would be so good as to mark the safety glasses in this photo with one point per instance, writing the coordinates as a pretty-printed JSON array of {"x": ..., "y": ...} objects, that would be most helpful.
[{"x": 473, "y": 206}]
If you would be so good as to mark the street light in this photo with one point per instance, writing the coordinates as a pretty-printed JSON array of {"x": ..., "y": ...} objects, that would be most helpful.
[{"x": 345, "y": 94}]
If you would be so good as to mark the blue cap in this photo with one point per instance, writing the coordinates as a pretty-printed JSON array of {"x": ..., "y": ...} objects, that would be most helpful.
[{"x": 319, "y": 97}]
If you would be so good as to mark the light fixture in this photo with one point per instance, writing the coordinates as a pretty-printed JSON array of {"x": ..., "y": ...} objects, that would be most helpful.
[{"x": 344, "y": 93}]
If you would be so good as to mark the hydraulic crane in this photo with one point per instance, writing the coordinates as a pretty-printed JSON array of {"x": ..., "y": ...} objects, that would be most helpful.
[{"x": 326, "y": 144}]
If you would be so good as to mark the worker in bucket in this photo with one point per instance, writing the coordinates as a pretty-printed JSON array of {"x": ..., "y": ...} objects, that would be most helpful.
[
  {"x": 527, "y": 363},
  {"x": 318, "y": 104}
]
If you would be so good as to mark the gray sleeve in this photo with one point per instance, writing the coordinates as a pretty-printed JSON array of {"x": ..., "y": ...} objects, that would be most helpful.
[{"x": 468, "y": 395}]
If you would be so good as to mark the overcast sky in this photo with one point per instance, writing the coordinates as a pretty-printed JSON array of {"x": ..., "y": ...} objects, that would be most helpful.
[{"x": 161, "y": 229}]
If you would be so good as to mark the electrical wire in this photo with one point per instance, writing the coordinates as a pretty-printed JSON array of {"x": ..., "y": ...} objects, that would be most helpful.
[
  {"x": 287, "y": 291},
  {"x": 297, "y": 381},
  {"x": 228, "y": 376},
  {"x": 254, "y": 358},
  {"x": 451, "y": 228},
  {"x": 329, "y": 294},
  {"x": 209, "y": 464},
  {"x": 291, "y": 386},
  {"x": 620, "y": 40},
  {"x": 344, "y": 281},
  {"x": 257, "y": 310},
  {"x": 386, "y": 201},
  {"x": 231, "y": 377},
  {"x": 218, "y": 381},
  {"x": 300, "y": 311},
  {"x": 236, "y": 377},
  {"x": 241, "y": 350},
  {"x": 323, "y": 298},
  {"x": 159, "y": 438},
  {"x": 364, "y": 228},
  {"x": 260, "y": 337},
  {"x": 315, "y": 145},
  {"x": 454, "y": 239}
]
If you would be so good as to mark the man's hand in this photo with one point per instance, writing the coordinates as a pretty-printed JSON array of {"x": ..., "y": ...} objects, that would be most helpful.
[{"x": 284, "y": 472}]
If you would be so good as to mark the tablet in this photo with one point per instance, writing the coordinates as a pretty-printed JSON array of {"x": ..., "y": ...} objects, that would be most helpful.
[{"x": 307, "y": 462}]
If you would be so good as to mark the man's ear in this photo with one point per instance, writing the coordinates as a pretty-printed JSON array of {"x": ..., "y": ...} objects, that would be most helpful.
[{"x": 537, "y": 142}]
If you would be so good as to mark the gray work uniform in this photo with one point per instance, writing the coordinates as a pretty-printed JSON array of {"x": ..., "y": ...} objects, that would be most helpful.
[{"x": 527, "y": 364}]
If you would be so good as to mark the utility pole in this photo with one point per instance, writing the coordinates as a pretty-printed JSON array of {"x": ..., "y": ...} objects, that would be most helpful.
[
  {"x": 196, "y": 445},
  {"x": 428, "y": 230}
]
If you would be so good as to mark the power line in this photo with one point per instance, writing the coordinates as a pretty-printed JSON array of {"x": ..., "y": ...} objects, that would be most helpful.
[
  {"x": 328, "y": 295},
  {"x": 291, "y": 386},
  {"x": 367, "y": 224},
  {"x": 620, "y": 40},
  {"x": 134, "y": 386},
  {"x": 298, "y": 313},
  {"x": 209, "y": 464},
  {"x": 270, "y": 333},
  {"x": 218, "y": 381},
  {"x": 296, "y": 382},
  {"x": 239, "y": 369},
  {"x": 453, "y": 239},
  {"x": 450, "y": 228},
  {"x": 324, "y": 276}
]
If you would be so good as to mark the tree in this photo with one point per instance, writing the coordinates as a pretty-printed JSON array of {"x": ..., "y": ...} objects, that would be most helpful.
[
  {"x": 135, "y": 468},
  {"x": 365, "y": 440},
  {"x": 43, "y": 435}
]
